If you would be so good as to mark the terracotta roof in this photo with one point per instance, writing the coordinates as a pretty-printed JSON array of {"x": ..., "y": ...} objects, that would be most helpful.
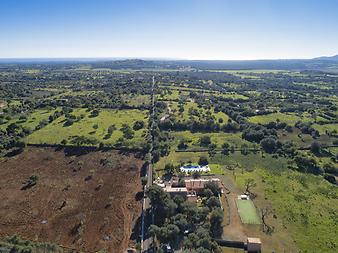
[
  {"x": 254, "y": 240},
  {"x": 199, "y": 183}
]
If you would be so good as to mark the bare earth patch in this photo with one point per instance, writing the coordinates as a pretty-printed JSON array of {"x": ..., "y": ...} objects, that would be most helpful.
[{"x": 84, "y": 202}]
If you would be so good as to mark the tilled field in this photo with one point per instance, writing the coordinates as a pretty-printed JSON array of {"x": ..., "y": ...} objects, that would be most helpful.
[{"x": 85, "y": 202}]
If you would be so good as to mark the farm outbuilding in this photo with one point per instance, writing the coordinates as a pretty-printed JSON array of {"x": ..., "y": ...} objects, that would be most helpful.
[{"x": 254, "y": 245}]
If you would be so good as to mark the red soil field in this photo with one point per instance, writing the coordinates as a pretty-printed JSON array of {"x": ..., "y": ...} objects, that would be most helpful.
[{"x": 84, "y": 202}]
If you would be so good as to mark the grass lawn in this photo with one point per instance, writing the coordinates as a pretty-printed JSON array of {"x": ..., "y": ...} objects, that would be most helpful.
[
  {"x": 55, "y": 132},
  {"x": 247, "y": 212}
]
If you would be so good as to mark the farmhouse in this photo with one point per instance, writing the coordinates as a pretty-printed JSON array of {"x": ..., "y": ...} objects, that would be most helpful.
[
  {"x": 182, "y": 191},
  {"x": 194, "y": 168},
  {"x": 197, "y": 185},
  {"x": 192, "y": 187}
]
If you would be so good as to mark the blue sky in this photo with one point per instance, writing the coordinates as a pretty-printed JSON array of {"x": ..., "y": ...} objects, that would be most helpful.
[{"x": 186, "y": 29}]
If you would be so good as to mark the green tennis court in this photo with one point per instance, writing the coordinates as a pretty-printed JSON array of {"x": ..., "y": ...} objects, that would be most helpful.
[{"x": 247, "y": 212}]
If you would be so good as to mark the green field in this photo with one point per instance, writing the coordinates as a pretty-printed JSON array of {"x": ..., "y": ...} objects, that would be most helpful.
[
  {"x": 136, "y": 100},
  {"x": 185, "y": 115},
  {"x": 55, "y": 132},
  {"x": 304, "y": 204},
  {"x": 33, "y": 119},
  {"x": 327, "y": 127},
  {"x": 171, "y": 94},
  {"x": 231, "y": 95},
  {"x": 289, "y": 119},
  {"x": 247, "y": 211},
  {"x": 193, "y": 139}
]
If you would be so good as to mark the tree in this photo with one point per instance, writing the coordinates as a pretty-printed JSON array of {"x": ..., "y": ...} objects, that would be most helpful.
[
  {"x": 182, "y": 145},
  {"x": 11, "y": 128},
  {"x": 207, "y": 193},
  {"x": 180, "y": 221},
  {"x": 316, "y": 148},
  {"x": 269, "y": 145},
  {"x": 154, "y": 230},
  {"x": 163, "y": 205},
  {"x": 249, "y": 183},
  {"x": 169, "y": 233},
  {"x": 265, "y": 212},
  {"x": 203, "y": 161},
  {"x": 191, "y": 211},
  {"x": 169, "y": 169},
  {"x": 212, "y": 149},
  {"x": 205, "y": 141},
  {"x": 213, "y": 186},
  {"x": 330, "y": 168},
  {"x": 196, "y": 175},
  {"x": 216, "y": 219},
  {"x": 144, "y": 180},
  {"x": 244, "y": 149},
  {"x": 138, "y": 125},
  {"x": 111, "y": 129},
  {"x": 94, "y": 113},
  {"x": 307, "y": 164},
  {"x": 213, "y": 202},
  {"x": 225, "y": 148},
  {"x": 128, "y": 133},
  {"x": 330, "y": 178}
]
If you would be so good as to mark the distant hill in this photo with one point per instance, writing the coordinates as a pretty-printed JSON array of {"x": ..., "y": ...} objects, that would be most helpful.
[
  {"x": 324, "y": 63},
  {"x": 328, "y": 58}
]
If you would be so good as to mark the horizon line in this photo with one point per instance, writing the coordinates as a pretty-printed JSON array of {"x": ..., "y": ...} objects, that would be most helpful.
[{"x": 83, "y": 58}]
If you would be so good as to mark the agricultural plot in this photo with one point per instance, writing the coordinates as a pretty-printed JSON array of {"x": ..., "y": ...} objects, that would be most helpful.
[
  {"x": 75, "y": 201},
  {"x": 247, "y": 211},
  {"x": 326, "y": 128},
  {"x": 65, "y": 94},
  {"x": 171, "y": 94},
  {"x": 302, "y": 140},
  {"x": 193, "y": 112},
  {"x": 289, "y": 119},
  {"x": 94, "y": 128},
  {"x": 303, "y": 203},
  {"x": 32, "y": 120},
  {"x": 193, "y": 139},
  {"x": 136, "y": 100},
  {"x": 232, "y": 95},
  {"x": 14, "y": 103}
]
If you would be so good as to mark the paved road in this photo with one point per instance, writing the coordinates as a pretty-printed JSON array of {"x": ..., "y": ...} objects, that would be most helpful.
[{"x": 146, "y": 241}]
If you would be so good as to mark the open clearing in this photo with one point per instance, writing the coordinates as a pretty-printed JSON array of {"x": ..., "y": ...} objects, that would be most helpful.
[
  {"x": 86, "y": 202},
  {"x": 32, "y": 121},
  {"x": 247, "y": 211},
  {"x": 290, "y": 119},
  {"x": 92, "y": 127}
]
